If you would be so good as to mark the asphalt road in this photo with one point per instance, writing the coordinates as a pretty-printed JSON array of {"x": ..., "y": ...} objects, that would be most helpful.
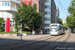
[{"x": 49, "y": 43}]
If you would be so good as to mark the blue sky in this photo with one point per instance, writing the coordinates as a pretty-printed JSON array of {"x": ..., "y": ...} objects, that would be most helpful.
[{"x": 63, "y": 11}]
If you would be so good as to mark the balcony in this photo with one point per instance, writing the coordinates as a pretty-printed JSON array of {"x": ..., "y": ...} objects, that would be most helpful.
[
  {"x": 47, "y": 3},
  {"x": 47, "y": 27},
  {"x": 46, "y": 9},
  {"x": 47, "y": 22},
  {"x": 16, "y": 1},
  {"x": 48, "y": 16},
  {"x": 8, "y": 8}
]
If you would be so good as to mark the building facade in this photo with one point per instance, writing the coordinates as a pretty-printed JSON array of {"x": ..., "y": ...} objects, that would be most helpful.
[
  {"x": 57, "y": 14},
  {"x": 53, "y": 11},
  {"x": 50, "y": 14},
  {"x": 64, "y": 22},
  {"x": 47, "y": 15},
  {"x": 7, "y": 9}
]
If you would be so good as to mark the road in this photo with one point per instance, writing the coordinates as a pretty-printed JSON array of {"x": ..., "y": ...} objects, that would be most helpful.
[{"x": 65, "y": 41}]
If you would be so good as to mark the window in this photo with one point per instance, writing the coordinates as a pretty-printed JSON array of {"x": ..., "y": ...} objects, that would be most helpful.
[
  {"x": 47, "y": 25},
  {"x": 46, "y": 0},
  {"x": 5, "y": 3},
  {"x": 53, "y": 29},
  {"x": 17, "y": 5},
  {"x": 12, "y": 4},
  {"x": 17, "y": 0},
  {"x": 47, "y": 6},
  {"x": 8, "y": 3},
  {"x": 47, "y": 19},
  {"x": 45, "y": 12}
]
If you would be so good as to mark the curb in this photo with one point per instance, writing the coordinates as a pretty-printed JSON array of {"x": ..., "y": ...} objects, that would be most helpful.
[
  {"x": 18, "y": 34},
  {"x": 8, "y": 34}
]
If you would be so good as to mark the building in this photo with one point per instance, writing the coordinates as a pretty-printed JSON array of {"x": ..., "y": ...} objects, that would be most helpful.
[
  {"x": 57, "y": 14},
  {"x": 64, "y": 22},
  {"x": 7, "y": 9},
  {"x": 53, "y": 11},
  {"x": 50, "y": 14},
  {"x": 40, "y": 8}
]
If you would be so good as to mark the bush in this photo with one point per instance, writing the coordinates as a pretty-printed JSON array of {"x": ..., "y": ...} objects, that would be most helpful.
[{"x": 1, "y": 28}]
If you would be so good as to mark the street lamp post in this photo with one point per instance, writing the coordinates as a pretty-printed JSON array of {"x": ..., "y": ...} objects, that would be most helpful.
[
  {"x": 21, "y": 29},
  {"x": 33, "y": 3},
  {"x": 33, "y": 22}
]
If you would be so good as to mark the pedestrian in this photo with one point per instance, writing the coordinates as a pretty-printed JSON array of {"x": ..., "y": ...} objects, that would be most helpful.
[
  {"x": 33, "y": 32},
  {"x": 41, "y": 32}
]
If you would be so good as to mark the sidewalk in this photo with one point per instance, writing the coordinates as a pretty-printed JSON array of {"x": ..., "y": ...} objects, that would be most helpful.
[{"x": 9, "y": 40}]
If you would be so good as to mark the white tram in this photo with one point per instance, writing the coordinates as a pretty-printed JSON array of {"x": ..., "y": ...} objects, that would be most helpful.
[{"x": 56, "y": 29}]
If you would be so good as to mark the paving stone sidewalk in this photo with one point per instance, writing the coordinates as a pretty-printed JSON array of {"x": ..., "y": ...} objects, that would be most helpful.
[{"x": 10, "y": 40}]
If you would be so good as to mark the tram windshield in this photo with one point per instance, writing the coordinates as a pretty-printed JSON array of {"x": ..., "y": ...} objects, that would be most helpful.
[{"x": 53, "y": 29}]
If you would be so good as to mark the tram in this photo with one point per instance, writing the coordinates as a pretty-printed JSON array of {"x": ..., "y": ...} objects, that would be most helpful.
[{"x": 56, "y": 29}]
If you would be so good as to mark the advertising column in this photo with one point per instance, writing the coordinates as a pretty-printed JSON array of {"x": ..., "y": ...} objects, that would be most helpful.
[{"x": 7, "y": 25}]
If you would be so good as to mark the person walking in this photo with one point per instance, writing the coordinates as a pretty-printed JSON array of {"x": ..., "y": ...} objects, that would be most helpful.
[
  {"x": 33, "y": 32},
  {"x": 41, "y": 32}
]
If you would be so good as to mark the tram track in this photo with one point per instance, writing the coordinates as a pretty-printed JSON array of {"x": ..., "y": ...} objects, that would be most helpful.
[
  {"x": 39, "y": 40},
  {"x": 51, "y": 42},
  {"x": 47, "y": 44},
  {"x": 58, "y": 47},
  {"x": 43, "y": 38}
]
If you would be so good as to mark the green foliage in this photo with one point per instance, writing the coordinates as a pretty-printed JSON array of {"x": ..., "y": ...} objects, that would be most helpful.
[
  {"x": 29, "y": 16},
  {"x": 71, "y": 8},
  {"x": 60, "y": 21},
  {"x": 1, "y": 28},
  {"x": 14, "y": 32},
  {"x": 71, "y": 18},
  {"x": 17, "y": 20},
  {"x": 65, "y": 26}
]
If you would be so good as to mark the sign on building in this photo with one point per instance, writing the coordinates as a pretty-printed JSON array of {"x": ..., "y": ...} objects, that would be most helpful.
[{"x": 28, "y": 1}]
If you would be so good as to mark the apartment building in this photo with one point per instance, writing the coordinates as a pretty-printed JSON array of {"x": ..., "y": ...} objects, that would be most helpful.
[
  {"x": 47, "y": 15},
  {"x": 40, "y": 8},
  {"x": 57, "y": 14},
  {"x": 53, "y": 11},
  {"x": 7, "y": 9},
  {"x": 50, "y": 14}
]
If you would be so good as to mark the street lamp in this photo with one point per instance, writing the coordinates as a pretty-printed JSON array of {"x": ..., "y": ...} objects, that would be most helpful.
[
  {"x": 33, "y": 23},
  {"x": 21, "y": 29},
  {"x": 33, "y": 4}
]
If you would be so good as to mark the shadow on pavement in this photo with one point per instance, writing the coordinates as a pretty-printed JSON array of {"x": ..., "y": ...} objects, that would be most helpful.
[{"x": 40, "y": 45}]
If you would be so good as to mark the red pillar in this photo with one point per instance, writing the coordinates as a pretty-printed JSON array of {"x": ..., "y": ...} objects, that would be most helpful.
[{"x": 7, "y": 25}]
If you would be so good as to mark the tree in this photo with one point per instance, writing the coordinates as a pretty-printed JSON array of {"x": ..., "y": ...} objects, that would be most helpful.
[
  {"x": 65, "y": 26},
  {"x": 17, "y": 20},
  {"x": 29, "y": 15},
  {"x": 71, "y": 18},
  {"x": 71, "y": 8},
  {"x": 60, "y": 21},
  {"x": 1, "y": 27}
]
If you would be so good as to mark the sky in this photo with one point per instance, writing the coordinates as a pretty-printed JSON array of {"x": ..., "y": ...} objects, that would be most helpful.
[{"x": 63, "y": 11}]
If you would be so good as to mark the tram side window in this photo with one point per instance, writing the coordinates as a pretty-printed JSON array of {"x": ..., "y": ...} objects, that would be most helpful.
[{"x": 60, "y": 27}]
